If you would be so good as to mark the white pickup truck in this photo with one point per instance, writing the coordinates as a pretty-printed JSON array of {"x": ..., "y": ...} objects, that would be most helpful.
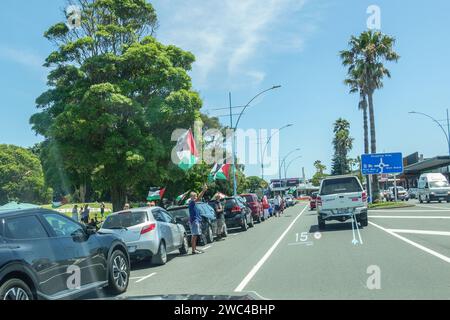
[{"x": 341, "y": 198}]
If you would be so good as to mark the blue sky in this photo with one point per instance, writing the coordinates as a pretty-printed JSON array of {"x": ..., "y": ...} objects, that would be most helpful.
[{"x": 247, "y": 46}]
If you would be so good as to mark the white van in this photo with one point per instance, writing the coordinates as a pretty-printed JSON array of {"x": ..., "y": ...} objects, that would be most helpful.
[{"x": 433, "y": 187}]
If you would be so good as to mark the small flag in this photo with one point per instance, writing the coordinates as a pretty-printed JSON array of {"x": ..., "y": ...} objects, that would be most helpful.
[
  {"x": 181, "y": 197},
  {"x": 156, "y": 194},
  {"x": 187, "y": 151},
  {"x": 220, "y": 172}
]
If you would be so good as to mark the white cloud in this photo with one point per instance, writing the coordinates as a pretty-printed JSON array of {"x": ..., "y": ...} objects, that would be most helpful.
[
  {"x": 230, "y": 38},
  {"x": 24, "y": 58}
]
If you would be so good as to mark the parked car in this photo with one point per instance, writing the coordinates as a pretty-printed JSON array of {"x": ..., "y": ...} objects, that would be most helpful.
[
  {"x": 433, "y": 187},
  {"x": 149, "y": 233},
  {"x": 289, "y": 201},
  {"x": 41, "y": 251},
  {"x": 208, "y": 223},
  {"x": 312, "y": 202},
  {"x": 255, "y": 205},
  {"x": 341, "y": 198},
  {"x": 412, "y": 193},
  {"x": 402, "y": 194},
  {"x": 238, "y": 214}
]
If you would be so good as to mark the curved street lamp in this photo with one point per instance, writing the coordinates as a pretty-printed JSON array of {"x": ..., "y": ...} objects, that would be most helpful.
[
  {"x": 290, "y": 163},
  {"x": 284, "y": 160},
  {"x": 446, "y": 133},
  {"x": 265, "y": 147},
  {"x": 234, "y": 128}
]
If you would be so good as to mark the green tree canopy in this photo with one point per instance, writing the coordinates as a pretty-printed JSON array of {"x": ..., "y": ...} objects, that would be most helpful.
[
  {"x": 21, "y": 176},
  {"x": 116, "y": 94},
  {"x": 342, "y": 144}
]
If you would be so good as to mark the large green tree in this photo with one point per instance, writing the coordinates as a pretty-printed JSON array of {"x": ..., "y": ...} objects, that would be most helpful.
[
  {"x": 365, "y": 59},
  {"x": 116, "y": 94},
  {"x": 21, "y": 176},
  {"x": 342, "y": 144}
]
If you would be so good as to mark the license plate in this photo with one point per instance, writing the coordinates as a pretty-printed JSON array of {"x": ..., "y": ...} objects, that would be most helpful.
[
  {"x": 341, "y": 211},
  {"x": 132, "y": 249}
]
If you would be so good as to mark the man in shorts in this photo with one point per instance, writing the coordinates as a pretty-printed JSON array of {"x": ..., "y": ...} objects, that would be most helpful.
[{"x": 195, "y": 219}]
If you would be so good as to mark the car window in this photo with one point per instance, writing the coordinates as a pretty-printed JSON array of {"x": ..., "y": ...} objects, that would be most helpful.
[
  {"x": 179, "y": 213},
  {"x": 166, "y": 216},
  {"x": 438, "y": 184},
  {"x": 62, "y": 226},
  {"x": 28, "y": 227},
  {"x": 157, "y": 214},
  {"x": 249, "y": 198},
  {"x": 125, "y": 220},
  {"x": 230, "y": 203},
  {"x": 341, "y": 185}
]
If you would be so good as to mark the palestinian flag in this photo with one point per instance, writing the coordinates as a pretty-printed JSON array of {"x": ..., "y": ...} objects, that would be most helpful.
[
  {"x": 187, "y": 151},
  {"x": 220, "y": 172},
  {"x": 181, "y": 197},
  {"x": 156, "y": 194}
]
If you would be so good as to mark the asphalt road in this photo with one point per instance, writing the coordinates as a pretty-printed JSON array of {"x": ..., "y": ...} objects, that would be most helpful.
[{"x": 402, "y": 254}]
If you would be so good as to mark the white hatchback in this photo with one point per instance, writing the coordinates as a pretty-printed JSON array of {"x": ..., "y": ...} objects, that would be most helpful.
[{"x": 148, "y": 233}]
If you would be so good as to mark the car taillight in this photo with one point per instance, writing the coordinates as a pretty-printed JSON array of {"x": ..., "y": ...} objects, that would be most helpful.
[
  {"x": 319, "y": 201},
  {"x": 364, "y": 197},
  {"x": 236, "y": 209},
  {"x": 148, "y": 228}
]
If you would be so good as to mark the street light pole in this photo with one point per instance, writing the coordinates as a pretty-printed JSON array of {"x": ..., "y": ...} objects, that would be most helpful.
[
  {"x": 446, "y": 133},
  {"x": 234, "y": 128},
  {"x": 290, "y": 163},
  {"x": 265, "y": 148},
  {"x": 284, "y": 161}
]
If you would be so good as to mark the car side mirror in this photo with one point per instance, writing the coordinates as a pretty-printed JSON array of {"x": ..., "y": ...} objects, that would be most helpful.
[
  {"x": 178, "y": 221},
  {"x": 91, "y": 230}
]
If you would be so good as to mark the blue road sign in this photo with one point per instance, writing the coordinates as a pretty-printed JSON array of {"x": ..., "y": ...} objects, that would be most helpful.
[{"x": 382, "y": 163}]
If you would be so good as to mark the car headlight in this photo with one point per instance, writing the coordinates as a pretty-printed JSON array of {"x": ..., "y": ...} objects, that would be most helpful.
[{"x": 432, "y": 193}]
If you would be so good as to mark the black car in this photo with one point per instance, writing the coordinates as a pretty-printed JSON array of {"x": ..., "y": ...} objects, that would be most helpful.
[
  {"x": 209, "y": 222},
  {"x": 45, "y": 255},
  {"x": 238, "y": 214}
]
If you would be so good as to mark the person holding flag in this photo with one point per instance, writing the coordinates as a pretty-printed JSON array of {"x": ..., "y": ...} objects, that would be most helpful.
[{"x": 195, "y": 219}]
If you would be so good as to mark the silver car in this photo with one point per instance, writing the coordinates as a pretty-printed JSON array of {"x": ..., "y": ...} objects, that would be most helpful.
[{"x": 148, "y": 233}]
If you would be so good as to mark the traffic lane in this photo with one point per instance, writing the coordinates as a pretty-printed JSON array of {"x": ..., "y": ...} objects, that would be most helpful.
[
  {"x": 333, "y": 268},
  {"x": 219, "y": 270}
]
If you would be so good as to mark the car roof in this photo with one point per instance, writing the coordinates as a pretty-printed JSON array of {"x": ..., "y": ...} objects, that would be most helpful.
[
  {"x": 11, "y": 213},
  {"x": 340, "y": 177},
  {"x": 134, "y": 210},
  {"x": 183, "y": 206}
]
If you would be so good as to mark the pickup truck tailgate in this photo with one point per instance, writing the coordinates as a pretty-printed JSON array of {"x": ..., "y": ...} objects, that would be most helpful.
[{"x": 342, "y": 201}]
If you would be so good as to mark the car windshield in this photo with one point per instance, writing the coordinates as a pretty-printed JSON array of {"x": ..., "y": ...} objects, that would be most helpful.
[
  {"x": 124, "y": 220},
  {"x": 179, "y": 213},
  {"x": 340, "y": 185},
  {"x": 248, "y": 198},
  {"x": 438, "y": 184}
]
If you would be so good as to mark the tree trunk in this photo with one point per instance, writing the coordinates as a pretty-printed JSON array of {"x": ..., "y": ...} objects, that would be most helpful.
[
  {"x": 118, "y": 197},
  {"x": 366, "y": 126},
  {"x": 373, "y": 145}
]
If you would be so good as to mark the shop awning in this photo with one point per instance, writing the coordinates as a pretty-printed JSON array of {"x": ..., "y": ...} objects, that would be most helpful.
[{"x": 427, "y": 165}]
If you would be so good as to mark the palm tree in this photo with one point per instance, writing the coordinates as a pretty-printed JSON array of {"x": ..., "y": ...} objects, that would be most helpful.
[{"x": 365, "y": 61}]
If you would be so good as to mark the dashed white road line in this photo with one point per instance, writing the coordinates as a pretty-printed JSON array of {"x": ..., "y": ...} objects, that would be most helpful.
[
  {"x": 207, "y": 247},
  {"x": 266, "y": 256},
  {"x": 146, "y": 277},
  {"x": 432, "y": 207},
  {"x": 411, "y": 217},
  {"x": 436, "y": 233},
  {"x": 414, "y": 244}
]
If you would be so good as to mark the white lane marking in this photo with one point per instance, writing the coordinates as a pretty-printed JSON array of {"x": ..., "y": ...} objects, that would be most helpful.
[
  {"x": 266, "y": 256},
  {"x": 135, "y": 278},
  {"x": 409, "y": 211},
  {"x": 411, "y": 217},
  {"x": 415, "y": 244},
  {"x": 437, "y": 233},
  {"x": 146, "y": 277},
  {"x": 432, "y": 207},
  {"x": 206, "y": 248}
]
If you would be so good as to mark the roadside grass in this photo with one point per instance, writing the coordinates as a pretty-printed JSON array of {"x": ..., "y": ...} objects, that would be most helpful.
[
  {"x": 390, "y": 205},
  {"x": 94, "y": 205}
]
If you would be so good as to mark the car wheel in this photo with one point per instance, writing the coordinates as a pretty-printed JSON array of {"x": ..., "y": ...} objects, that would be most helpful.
[
  {"x": 420, "y": 199},
  {"x": 185, "y": 246},
  {"x": 440, "y": 201},
  {"x": 225, "y": 232},
  {"x": 244, "y": 225},
  {"x": 209, "y": 236},
  {"x": 119, "y": 274},
  {"x": 161, "y": 257},
  {"x": 252, "y": 222},
  {"x": 15, "y": 289},
  {"x": 321, "y": 223}
]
